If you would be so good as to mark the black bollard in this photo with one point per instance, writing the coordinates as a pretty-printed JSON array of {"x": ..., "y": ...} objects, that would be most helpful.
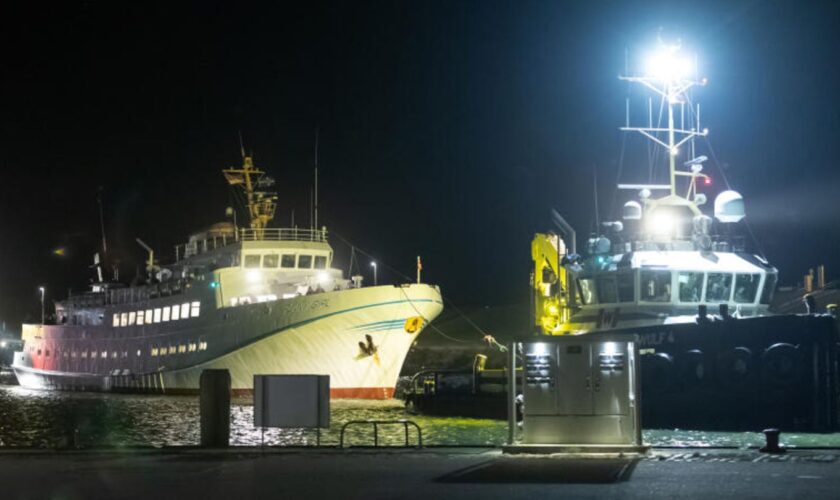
[
  {"x": 214, "y": 405},
  {"x": 771, "y": 437}
]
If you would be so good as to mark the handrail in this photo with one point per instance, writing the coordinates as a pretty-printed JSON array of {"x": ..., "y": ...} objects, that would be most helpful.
[
  {"x": 200, "y": 246},
  {"x": 376, "y": 423}
]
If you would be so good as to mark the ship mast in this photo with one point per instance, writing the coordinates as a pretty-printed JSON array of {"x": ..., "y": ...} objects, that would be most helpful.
[
  {"x": 668, "y": 75},
  {"x": 261, "y": 204}
]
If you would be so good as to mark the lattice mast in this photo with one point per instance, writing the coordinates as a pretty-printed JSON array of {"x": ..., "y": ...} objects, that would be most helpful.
[{"x": 261, "y": 205}]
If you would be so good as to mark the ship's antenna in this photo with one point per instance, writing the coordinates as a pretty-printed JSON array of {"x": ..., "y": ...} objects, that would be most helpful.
[
  {"x": 316, "y": 179},
  {"x": 102, "y": 222},
  {"x": 595, "y": 190},
  {"x": 241, "y": 145}
]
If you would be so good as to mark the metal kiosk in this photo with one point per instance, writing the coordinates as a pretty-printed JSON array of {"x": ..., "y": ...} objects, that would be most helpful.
[{"x": 580, "y": 394}]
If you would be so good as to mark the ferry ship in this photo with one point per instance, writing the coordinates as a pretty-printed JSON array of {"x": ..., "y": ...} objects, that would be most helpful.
[{"x": 253, "y": 300}]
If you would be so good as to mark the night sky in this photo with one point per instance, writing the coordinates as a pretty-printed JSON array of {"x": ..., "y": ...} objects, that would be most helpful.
[{"x": 447, "y": 129}]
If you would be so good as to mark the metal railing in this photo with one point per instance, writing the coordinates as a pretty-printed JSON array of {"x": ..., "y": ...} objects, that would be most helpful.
[
  {"x": 376, "y": 423},
  {"x": 247, "y": 234}
]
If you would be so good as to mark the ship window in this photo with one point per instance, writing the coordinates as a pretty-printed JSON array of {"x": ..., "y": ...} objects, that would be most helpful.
[
  {"x": 176, "y": 312},
  {"x": 287, "y": 261},
  {"x": 195, "y": 309},
  {"x": 132, "y": 318},
  {"x": 73, "y": 354},
  {"x": 320, "y": 262},
  {"x": 166, "y": 312},
  {"x": 148, "y": 316},
  {"x": 656, "y": 286},
  {"x": 154, "y": 351},
  {"x": 123, "y": 319},
  {"x": 607, "y": 292},
  {"x": 304, "y": 262},
  {"x": 157, "y": 315},
  {"x": 104, "y": 355},
  {"x": 116, "y": 320},
  {"x": 65, "y": 354},
  {"x": 202, "y": 345},
  {"x": 192, "y": 347},
  {"x": 690, "y": 286},
  {"x": 46, "y": 353},
  {"x": 626, "y": 287},
  {"x": 271, "y": 260},
  {"x": 84, "y": 354},
  {"x": 718, "y": 287},
  {"x": 587, "y": 291},
  {"x": 114, "y": 354},
  {"x": 172, "y": 349},
  {"x": 746, "y": 287},
  {"x": 252, "y": 261},
  {"x": 140, "y": 317},
  {"x": 182, "y": 349},
  {"x": 769, "y": 288}
]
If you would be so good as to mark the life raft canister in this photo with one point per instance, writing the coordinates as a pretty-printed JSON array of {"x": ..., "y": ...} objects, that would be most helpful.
[
  {"x": 780, "y": 365},
  {"x": 413, "y": 324}
]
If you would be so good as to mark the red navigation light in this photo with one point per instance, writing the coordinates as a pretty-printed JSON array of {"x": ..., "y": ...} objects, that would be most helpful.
[{"x": 707, "y": 180}]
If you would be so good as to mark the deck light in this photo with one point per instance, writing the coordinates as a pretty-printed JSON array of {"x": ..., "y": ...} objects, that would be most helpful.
[
  {"x": 373, "y": 265},
  {"x": 666, "y": 64}
]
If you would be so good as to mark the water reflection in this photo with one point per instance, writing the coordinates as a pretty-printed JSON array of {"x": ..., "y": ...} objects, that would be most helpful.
[{"x": 50, "y": 419}]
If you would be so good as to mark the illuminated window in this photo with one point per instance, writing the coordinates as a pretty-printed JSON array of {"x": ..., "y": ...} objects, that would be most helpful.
[
  {"x": 166, "y": 313},
  {"x": 271, "y": 260},
  {"x": 114, "y": 355},
  {"x": 202, "y": 346},
  {"x": 182, "y": 349},
  {"x": 138, "y": 352},
  {"x": 252, "y": 261},
  {"x": 718, "y": 287},
  {"x": 65, "y": 354},
  {"x": 746, "y": 287},
  {"x": 304, "y": 262},
  {"x": 73, "y": 354},
  {"x": 194, "y": 309},
  {"x": 176, "y": 313},
  {"x": 116, "y": 319},
  {"x": 690, "y": 286},
  {"x": 132, "y": 318},
  {"x": 320, "y": 262},
  {"x": 104, "y": 354},
  {"x": 157, "y": 315},
  {"x": 140, "y": 316},
  {"x": 287, "y": 261},
  {"x": 125, "y": 354},
  {"x": 84, "y": 354},
  {"x": 185, "y": 310},
  {"x": 154, "y": 351},
  {"x": 655, "y": 286},
  {"x": 123, "y": 319},
  {"x": 234, "y": 301},
  {"x": 192, "y": 347},
  {"x": 148, "y": 316},
  {"x": 172, "y": 349}
]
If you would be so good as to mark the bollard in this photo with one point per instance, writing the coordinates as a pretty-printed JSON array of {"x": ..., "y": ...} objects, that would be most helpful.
[
  {"x": 214, "y": 404},
  {"x": 771, "y": 437}
]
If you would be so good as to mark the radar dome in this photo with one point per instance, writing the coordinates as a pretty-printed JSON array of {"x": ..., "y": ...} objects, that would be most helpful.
[
  {"x": 729, "y": 206},
  {"x": 631, "y": 211}
]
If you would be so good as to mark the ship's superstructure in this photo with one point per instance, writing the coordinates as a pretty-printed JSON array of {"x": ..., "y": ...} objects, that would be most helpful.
[
  {"x": 253, "y": 300},
  {"x": 665, "y": 258}
]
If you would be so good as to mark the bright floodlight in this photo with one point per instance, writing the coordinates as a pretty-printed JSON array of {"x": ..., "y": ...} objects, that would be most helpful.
[
  {"x": 661, "y": 223},
  {"x": 667, "y": 65}
]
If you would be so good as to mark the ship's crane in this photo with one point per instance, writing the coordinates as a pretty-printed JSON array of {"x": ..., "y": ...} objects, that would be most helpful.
[{"x": 552, "y": 301}]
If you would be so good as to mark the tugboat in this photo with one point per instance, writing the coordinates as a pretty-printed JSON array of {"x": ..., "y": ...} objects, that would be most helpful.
[
  {"x": 252, "y": 300},
  {"x": 658, "y": 274}
]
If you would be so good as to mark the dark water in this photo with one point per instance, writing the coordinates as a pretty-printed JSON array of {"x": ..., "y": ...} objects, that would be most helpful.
[{"x": 49, "y": 419}]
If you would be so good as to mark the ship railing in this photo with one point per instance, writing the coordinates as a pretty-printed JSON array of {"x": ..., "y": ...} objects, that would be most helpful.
[{"x": 205, "y": 245}]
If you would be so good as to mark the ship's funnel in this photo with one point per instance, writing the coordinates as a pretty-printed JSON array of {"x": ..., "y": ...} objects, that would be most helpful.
[
  {"x": 631, "y": 211},
  {"x": 729, "y": 207}
]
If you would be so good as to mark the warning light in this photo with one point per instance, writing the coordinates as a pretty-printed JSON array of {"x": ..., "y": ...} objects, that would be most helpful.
[{"x": 707, "y": 180}]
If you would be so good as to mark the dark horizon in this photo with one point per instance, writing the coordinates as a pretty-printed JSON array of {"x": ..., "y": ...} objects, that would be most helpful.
[{"x": 447, "y": 130}]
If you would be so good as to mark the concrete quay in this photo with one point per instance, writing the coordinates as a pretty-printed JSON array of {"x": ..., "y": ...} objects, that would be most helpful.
[{"x": 430, "y": 473}]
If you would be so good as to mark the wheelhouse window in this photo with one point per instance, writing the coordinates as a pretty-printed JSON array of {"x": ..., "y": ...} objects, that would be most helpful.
[
  {"x": 195, "y": 308},
  {"x": 587, "y": 291},
  {"x": 607, "y": 291},
  {"x": 157, "y": 315},
  {"x": 166, "y": 312},
  {"x": 123, "y": 319},
  {"x": 655, "y": 286},
  {"x": 746, "y": 287},
  {"x": 690, "y": 286},
  {"x": 140, "y": 317},
  {"x": 252, "y": 261},
  {"x": 769, "y": 288},
  {"x": 626, "y": 287},
  {"x": 270, "y": 260},
  {"x": 320, "y": 262},
  {"x": 718, "y": 287},
  {"x": 287, "y": 261},
  {"x": 185, "y": 310},
  {"x": 176, "y": 312},
  {"x": 304, "y": 262}
]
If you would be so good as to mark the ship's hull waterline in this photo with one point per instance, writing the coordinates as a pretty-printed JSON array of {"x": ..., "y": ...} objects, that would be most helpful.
[{"x": 359, "y": 337}]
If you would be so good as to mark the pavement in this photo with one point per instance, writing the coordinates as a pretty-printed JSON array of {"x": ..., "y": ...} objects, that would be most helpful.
[{"x": 428, "y": 474}]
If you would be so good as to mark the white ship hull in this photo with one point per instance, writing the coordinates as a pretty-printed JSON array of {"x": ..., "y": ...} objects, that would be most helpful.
[{"x": 316, "y": 334}]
